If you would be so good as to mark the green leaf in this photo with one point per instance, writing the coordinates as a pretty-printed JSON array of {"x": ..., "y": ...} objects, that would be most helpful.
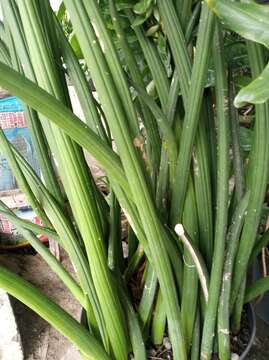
[
  {"x": 246, "y": 138},
  {"x": 152, "y": 30},
  {"x": 61, "y": 12},
  {"x": 256, "y": 289},
  {"x": 139, "y": 20},
  {"x": 257, "y": 92},
  {"x": 52, "y": 313},
  {"x": 59, "y": 114},
  {"x": 76, "y": 47},
  {"x": 142, "y": 7},
  {"x": 250, "y": 20}
]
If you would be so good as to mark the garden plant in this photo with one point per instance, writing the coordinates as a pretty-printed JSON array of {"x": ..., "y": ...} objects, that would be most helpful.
[{"x": 174, "y": 95}]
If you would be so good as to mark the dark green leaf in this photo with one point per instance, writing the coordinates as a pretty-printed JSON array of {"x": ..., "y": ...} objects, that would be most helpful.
[{"x": 246, "y": 138}]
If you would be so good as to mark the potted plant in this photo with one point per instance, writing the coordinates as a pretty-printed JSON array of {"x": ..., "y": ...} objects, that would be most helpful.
[{"x": 160, "y": 118}]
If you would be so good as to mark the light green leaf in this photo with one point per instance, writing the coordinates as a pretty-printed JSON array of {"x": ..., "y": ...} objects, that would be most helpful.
[
  {"x": 257, "y": 92},
  {"x": 52, "y": 313},
  {"x": 142, "y": 7},
  {"x": 61, "y": 12},
  {"x": 139, "y": 20},
  {"x": 59, "y": 114},
  {"x": 152, "y": 30},
  {"x": 76, "y": 47},
  {"x": 250, "y": 20}
]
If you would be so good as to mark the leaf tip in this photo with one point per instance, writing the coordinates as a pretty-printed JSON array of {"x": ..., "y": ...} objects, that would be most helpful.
[{"x": 179, "y": 229}]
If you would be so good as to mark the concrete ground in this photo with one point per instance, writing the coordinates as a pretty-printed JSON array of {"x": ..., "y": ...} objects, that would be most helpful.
[
  {"x": 10, "y": 341},
  {"x": 40, "y": 341}
]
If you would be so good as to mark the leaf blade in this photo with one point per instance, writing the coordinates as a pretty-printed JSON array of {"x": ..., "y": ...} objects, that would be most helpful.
[{"x": 257, "y": 92}]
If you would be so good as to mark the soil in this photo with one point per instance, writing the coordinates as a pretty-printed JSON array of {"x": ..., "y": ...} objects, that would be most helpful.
[
  {"x": 42, "y": 342},
  {"x": 240, "y": 341}
]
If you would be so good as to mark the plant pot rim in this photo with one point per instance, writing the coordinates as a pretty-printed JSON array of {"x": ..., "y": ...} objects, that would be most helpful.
[{"x": 252, "y": 322}]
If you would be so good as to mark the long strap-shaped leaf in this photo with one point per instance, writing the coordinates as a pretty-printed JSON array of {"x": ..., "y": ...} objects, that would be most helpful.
[
  {"x": 154, "y": 62},
  {"x": 55, "y": 265},
  {"x": 3, "y": 32},
  {"x": 165, "y": 128},
  {"x": 4, "y": 53},
  {"x": 66, "y": 232},
  {"x": 222, "y": 198},
  {"x": 178, "y": 44},
  {"x": 56, "y": 112},
  {"x": 192, "y": 97},
  {"x": 79, "y": 81},
  {"x": 111, "y": 56},
  {"x": 259, "y": 287},
  {"x": 260, "y": 244},
  {"x": 224, "y": 306},
  {"x": 37, "y": 229},
  {"x": 22, "y": 182},
  {"x": 203, "y": 188},
  {"x": 52, "y": 313},
  {"x": 116, "y": 117},
  {"x": 75, "y": 178},
  {"x": 13, "y": 21},
  {"x": 250, "y": 20},
  {"x": 256, "y": 180},
  {"x": 192, "y": 86},
  {"x": 153, "y": 138},
  {"x": 195, "y": 84}
]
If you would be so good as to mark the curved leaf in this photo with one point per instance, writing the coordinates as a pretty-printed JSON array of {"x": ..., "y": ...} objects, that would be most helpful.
[
  {"x": 256, "y": 289},
  {"x": 59, "y": 114},
  {"x": 257, "y": 92},
  {"x": 142, "y": 7},
  {"x": 250, "y": 20},
  {"x": 52, "y": 313}
]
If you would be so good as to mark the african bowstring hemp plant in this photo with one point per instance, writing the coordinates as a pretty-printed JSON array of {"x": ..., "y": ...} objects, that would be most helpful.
[{"x": 160, "y": 119}]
